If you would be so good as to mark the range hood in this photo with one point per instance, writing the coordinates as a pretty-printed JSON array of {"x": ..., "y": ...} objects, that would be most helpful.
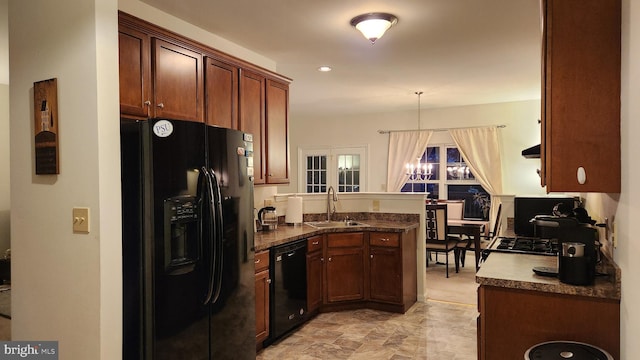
[{"x": 532, "y": 152}]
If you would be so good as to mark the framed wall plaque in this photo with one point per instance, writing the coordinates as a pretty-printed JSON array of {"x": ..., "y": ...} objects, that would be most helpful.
[{"x": 45, "y": 102}]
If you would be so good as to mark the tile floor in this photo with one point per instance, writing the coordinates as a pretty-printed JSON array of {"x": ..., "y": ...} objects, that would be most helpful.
[{"x": 444, "y": 327}]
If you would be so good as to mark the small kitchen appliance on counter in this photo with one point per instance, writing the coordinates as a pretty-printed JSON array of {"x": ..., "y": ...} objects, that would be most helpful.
[
  {"x": 577, "y": 251},
  {"x": 579, "y": 255},
  {"x": 268, "y": 218}
]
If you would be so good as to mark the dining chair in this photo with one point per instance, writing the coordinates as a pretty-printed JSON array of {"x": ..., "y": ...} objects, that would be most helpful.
[
  {"x": 455, "y": 209},
  {"x": 437, "y": 239},
  {"x": 485, "y": 239}
]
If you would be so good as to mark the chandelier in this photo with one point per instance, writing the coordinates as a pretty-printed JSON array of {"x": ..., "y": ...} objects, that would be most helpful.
[
  {"x": 458, "y": 172},
  {"x": 419, "y": 171}
]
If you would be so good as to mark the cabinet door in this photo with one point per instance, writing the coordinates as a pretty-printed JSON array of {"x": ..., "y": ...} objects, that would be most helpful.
[
  {"x": 262, "y": 305},
  {"x": 385, "y": 265},
  {"x": 221, "y": 93},
  {"x": 252, "y": 118},
  {"x": 344, "y": 274},
  {"x": 277, "y": 143},
  {"x": 135, "y": 72},
  {"x": 581, "y": 96},
  {"x": 177, "y": 82},
  {"x": 314, "y": 280}
]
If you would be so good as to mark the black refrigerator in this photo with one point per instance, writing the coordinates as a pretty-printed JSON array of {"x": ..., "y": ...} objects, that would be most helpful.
[{"x": 187, "y": 241}]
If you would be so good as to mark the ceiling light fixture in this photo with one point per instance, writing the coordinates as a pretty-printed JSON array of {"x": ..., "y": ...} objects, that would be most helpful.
[
  {"x": 324, "y": 68},
  {"x": 373, "y": 25}
]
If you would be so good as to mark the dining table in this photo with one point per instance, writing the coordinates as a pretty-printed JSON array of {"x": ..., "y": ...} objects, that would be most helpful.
[{"x": 471, "y": 228}]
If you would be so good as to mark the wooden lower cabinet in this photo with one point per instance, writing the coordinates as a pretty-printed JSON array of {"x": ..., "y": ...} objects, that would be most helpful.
[
  {"x": 392, "y": 268},
  {"x": 344, "y": 268},
  {"x": 263, "y": 283},
  {"x": 385, "y": 274},
  {"x": 513, "y": 320}
]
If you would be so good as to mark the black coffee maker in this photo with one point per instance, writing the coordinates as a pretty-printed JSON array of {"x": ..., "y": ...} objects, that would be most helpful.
[
  {"x": 578, "y": 255},
  {"x": 577, "y": 250}
]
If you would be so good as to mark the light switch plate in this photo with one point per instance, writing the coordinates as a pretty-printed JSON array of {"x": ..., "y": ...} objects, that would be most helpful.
[{"x": 81, "y": 220}]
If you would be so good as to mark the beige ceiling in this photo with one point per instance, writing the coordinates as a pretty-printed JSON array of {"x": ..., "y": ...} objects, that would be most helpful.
[{"x": 458, "y": 52}]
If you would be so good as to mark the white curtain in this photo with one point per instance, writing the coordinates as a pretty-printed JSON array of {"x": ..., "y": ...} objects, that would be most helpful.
[
  {"x": 404, "y": 147},
  {"x": 480, "y": 147}
]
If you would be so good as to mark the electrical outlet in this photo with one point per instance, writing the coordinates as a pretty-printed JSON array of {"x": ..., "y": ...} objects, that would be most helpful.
[
  {"x": 376, "y": 205},
  {"x": 81, "y": 220}
]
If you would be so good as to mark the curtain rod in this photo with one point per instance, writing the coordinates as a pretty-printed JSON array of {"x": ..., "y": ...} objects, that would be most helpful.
[{"x": 441, "y": 129}]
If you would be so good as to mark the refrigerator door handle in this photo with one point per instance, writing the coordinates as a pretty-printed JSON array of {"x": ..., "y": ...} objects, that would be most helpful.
[
  {"x": 217, "y": 275},
  {"x": 212, "y": 234}
]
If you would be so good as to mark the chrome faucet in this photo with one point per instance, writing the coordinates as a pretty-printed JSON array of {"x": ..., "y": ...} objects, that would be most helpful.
[{"x": 335, "y": 198}]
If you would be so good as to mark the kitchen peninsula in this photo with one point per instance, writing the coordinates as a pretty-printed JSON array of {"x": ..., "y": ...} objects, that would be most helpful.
[
  {"x": 519, "y": 309},
  {"x": 372, "y": 265}
]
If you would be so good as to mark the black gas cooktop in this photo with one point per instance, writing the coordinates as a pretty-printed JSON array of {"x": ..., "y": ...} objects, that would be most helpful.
[{"x": 525, "y": 245}]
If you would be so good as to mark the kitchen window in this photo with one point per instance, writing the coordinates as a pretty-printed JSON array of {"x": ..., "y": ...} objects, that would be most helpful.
[
  {"x": 342, "y": 168},
  {"x": 451, "y": 179}
]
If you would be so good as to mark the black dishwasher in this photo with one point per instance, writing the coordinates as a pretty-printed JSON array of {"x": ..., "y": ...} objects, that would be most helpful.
[{"x": 288, "y": 305}]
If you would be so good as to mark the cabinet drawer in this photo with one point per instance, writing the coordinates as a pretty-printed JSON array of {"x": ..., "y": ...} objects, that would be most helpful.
[
  {"x": 262, "y": 261},
  {"x": 314, "y": 244},
  {"x": 384, "y": 239},
  {"x": 345, "y": 240}
]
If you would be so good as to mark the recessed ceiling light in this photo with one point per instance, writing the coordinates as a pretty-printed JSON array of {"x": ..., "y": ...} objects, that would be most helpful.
[{"x": 324, "y": 68}]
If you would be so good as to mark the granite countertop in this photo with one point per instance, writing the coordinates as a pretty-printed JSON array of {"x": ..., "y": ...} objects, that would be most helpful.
[
  {"x": 286, "y": 233},
  {"x": 515, "y": 271}
]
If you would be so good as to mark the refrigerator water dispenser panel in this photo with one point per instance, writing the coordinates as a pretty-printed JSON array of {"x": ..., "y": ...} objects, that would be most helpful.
[{"x": 181, "y": 215}]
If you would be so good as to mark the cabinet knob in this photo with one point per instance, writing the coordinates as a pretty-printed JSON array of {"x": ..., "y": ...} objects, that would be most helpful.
[
  {"x": 581, "y": 175},
  {"x": 257, "y": 261},
  {"x": 329, "y": 259},
  {"x": 147, "y": 102},
  {"x": 372, "y": 256},
  {"x": 322, "y": 259},
  {"x": 315, "y": 243},
  {"x": 161, "y": 105},
  {"x": 268, "y": 281}
]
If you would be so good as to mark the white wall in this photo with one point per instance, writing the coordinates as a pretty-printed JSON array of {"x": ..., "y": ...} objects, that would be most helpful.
[
  {"x": 628, "y": 208},
  {"x": 5, "y": 242},
  {"x": 521, "y": 132},
  {"x": 4, "y": 41},
  {"x": 66, "y": 286}
]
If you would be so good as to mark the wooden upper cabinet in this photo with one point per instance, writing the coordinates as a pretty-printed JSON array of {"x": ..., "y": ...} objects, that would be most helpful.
[
  {"x": 135, "y": 72},
  {"x": 177, "y": 82},
  {"x": 221, "y": 93},
  {"x": 252, "y": 118},
  {"x": 581, "y": 96},
  {"x": 277, "y": 143}
]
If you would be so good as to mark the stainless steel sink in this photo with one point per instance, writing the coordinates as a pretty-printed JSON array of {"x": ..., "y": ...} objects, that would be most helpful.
[{"x": 336, "y": 224}]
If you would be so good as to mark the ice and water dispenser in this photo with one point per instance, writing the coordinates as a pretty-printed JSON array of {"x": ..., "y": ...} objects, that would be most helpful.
[{"x": 181, "y": 234}]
